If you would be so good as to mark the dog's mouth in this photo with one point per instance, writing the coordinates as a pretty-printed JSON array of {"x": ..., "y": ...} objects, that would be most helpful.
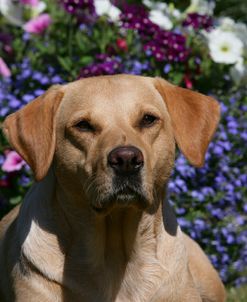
[{"x": 125, "y": 192}]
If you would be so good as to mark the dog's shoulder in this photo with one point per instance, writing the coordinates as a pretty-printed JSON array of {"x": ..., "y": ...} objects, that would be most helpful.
[
  {"x": 7, "y": 220},
  {"x": 206, "y": 278}
]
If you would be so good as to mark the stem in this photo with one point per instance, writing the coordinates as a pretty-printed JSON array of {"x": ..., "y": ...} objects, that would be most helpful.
[{"x": 70, "y": 34}]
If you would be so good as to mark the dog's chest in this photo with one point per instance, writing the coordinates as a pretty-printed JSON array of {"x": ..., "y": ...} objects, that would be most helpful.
[
  {"x": 153, "y": 269},
  {"x": 138, "y": 281},
  {"x": 111, "y": 277},
  {"x": 141, "y": 280}
]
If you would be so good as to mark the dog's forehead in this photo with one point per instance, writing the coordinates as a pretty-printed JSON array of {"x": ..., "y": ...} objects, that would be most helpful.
[{"x": 107, "y": 93}]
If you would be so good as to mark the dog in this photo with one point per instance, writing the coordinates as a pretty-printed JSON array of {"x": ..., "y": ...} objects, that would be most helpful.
[{"x": 96, "y": 225}]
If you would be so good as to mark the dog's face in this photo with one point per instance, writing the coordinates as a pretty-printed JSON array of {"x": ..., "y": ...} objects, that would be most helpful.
[{"x": 112, "y": 139}]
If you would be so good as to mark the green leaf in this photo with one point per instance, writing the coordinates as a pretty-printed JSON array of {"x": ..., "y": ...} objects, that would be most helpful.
[
  {"x": 65, "y": 62},
  {"x": 15, "y": 200},
  {"x": 85, "y": 60}
]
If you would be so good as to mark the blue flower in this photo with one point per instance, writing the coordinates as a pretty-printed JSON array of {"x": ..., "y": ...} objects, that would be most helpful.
[{"x": 19, "y": 89}]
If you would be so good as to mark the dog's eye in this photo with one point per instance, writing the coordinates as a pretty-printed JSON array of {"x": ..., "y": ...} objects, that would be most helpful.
[
  {"x": 85, "y": 126},
  {"x": 148, "y": 120}
]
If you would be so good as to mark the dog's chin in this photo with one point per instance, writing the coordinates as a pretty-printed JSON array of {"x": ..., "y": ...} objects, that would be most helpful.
[{"x": 120, "y": 199}]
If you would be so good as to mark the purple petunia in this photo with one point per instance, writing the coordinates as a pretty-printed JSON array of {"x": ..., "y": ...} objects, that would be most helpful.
[
  {"x": 104, "y": 65},
  {"x": 83, "y": 10},
  {"x": 198, "y": 21},
  {"x": 163, "y": 45}
]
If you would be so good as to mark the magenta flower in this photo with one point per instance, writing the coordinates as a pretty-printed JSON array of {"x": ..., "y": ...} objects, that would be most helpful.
[
  {"x": 13, "y": 162},
  {"x": 38, "y": 25},
  {"x": 188, "y": 82},
  {"x": 30, "y": 2},
  {"x": 198, "y": 21},
  {"x": 4, "y": 69}
]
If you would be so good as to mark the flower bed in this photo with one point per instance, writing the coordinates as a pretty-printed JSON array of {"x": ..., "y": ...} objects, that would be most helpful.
[{"x": 45, "y": 43}]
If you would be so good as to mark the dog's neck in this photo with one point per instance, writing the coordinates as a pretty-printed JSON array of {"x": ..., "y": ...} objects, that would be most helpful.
[
  {"x": 79, "y": 243},
  {"x": 114, "y": 248},
  {"x": 105, "y": 239}
]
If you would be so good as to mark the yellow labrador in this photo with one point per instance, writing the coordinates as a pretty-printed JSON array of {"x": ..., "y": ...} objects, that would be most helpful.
[{"x": 95, "y": 226}]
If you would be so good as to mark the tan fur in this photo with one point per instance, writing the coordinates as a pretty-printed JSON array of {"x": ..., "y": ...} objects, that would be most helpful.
[{"x": 58, "y": 248}]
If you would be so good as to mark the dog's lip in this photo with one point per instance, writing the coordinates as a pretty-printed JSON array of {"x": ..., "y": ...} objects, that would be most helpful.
[
  {"x": 125, "y": 191},
  {"x": 120, "y": 197}
]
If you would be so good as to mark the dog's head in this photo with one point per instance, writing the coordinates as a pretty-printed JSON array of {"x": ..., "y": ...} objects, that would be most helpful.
[{"x": 112, "y": 138}]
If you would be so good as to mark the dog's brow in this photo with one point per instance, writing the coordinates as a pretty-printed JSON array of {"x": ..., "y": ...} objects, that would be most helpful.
[
  {"x": 80, "y": 115},
  {"x": 148, "y": 109},
  {"x": 142, "y": 110}
]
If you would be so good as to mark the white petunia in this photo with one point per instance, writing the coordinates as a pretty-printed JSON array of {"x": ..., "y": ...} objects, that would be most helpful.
[
  {"x": 175, "y": 13},
  {"x": 239, "y": 72},
  {"x": 38, "y": 9},
  {"x": 226, "y": 24},
  {"x": 155, "y": 5},
  {"x": 201, "y": 7},
  {"x": 148, "y": 3},
  {"x": 241, "y": 32},
  {"x": 224, "y": 47},
  {"x": 160, "y": 19},
  {"x": 238, "y": 28},
  {"x": 106, "y": 7},
  {"x": 164, "y": 9},
  {"x": 12, "y": 11}
]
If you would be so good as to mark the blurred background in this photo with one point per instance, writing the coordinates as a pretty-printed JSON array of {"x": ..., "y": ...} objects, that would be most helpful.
[{"x": 200, "y": 45}]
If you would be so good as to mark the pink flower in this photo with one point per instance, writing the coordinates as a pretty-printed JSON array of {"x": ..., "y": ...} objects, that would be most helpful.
[
  {"x": 30, "y": 2},
  {"x": 122, "y": 44},
  {"x": 38, "y": 25},
  {"x": 4, "y": 69},
  {"x": 188, "y": 82},
  {"x": 13, "y": 162}
]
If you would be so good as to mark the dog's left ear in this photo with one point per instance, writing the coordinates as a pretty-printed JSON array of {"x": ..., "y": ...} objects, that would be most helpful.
[
  {"x": 31, "y": 131},
  {"x": 194, "y": 118}
]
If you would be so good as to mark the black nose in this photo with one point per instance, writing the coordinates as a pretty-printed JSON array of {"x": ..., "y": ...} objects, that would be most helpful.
[{"x": 126, "y": 160}]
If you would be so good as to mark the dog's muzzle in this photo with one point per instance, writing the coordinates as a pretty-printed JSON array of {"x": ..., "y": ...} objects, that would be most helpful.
[{"x": 126, "y": 163}]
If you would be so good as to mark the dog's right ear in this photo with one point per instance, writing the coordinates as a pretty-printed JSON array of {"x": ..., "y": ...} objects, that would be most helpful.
[{"x": 31, "y": 131}]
